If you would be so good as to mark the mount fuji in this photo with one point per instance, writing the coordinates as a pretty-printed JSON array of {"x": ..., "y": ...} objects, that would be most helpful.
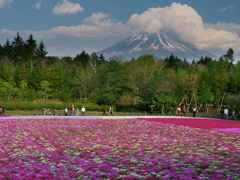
[{"x": 160, "y": 45}]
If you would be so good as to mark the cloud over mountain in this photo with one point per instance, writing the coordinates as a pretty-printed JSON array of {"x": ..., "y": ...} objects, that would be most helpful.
[
  {"x": 185, "y": 22},
  {"x": 179, "y": 19}
]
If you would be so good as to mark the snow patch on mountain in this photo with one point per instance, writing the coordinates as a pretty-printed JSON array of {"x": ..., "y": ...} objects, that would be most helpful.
[{"x": 158, "y": 44}]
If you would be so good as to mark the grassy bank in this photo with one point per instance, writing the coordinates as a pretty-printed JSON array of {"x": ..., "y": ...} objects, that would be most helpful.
[
  {"x": 18, "y": 107},
  {"x": 60, "y": 113},
  {"x": 38, "y": 105}
]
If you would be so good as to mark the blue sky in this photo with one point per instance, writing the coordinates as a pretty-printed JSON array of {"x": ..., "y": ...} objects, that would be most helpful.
[{"x": 70, "y": 26}]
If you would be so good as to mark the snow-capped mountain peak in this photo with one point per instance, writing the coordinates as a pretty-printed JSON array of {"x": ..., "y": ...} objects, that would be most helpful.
[{"x": 157, "y": 44}]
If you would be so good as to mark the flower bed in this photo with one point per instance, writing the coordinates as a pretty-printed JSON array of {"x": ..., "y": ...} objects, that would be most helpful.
[
  {"x": 202, "y": 123},
  {"x": 115, "y": 149}
]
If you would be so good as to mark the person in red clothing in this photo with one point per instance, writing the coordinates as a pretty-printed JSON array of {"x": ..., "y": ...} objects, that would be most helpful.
[{"x": 72, "y": 110}]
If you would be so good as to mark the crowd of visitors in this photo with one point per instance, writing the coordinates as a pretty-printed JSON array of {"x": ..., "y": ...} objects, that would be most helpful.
[
  {"x": 225, "y": 112},
  {"x": 228, "y": 113},
  {"x": 72, "y": 111},
  {"x": 182, "y": 110}
]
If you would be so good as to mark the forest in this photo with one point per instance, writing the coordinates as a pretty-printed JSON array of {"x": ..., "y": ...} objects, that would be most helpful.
[{"x": 146, "y": 83}]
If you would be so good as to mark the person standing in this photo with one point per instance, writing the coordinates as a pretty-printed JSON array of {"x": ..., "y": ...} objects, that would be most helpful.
[
  {"x": 66, "y": 111},
  {"x": 226, "y": 113},
  {"x": 2, "y": 111},
  {"x": 194, "y": 111},
  {"x": 233, "y": 114},
  {"x": 72, "y": 110},
  {"x": 77, "y": 112},
  {"x": 83, "y": 110},
  {"x": 178, "y": 111},
  {"x": 184, "y": 110},
  {"x": 110, "y": 110}
]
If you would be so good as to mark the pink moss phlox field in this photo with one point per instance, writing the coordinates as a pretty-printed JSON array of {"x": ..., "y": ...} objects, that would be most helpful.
[{"x": 115, "y": 149}]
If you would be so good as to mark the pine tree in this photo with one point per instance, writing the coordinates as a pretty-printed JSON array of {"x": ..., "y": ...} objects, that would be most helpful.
[
  {"x": 1, "y": 50},
  {"x": 41, "y": 50},
  {"x": 83, "y": 58},
  {"x": 7, "y": 49},
  {"x": 18, "y": 48},
  {"x": 229, "y": 55},
  {"x": 31, "y": 46}
]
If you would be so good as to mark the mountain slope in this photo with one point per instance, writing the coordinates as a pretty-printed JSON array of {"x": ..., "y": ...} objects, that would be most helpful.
[{"x": 159, "y": 45}]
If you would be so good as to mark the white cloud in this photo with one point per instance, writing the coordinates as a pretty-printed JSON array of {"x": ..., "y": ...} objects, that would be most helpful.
[
  {"x": 187, "y": 24},
  {"x": 227, "y": 8},
  {"x": 7, "y": 33},
  {"x": 67, "y": 7},
  {"x": 99, "y": 30},
  {"x": 3, "y": 3},
  {"x": 231, "y": 27},
  {"x": 98, "y": 25},
  {"x": 38, "y": 5}
]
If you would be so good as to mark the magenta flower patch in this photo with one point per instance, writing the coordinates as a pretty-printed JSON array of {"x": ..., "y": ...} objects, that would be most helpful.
[{"x": 115, "y": 149}]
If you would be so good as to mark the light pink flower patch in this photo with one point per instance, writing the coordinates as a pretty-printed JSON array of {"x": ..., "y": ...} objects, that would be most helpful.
[{"x": 232, "y": 130}]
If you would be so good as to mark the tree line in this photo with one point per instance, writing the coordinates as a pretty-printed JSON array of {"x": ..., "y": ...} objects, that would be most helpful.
[{"x": 145, "y": 83}]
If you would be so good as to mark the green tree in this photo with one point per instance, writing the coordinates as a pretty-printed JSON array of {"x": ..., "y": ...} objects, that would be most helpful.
[
  {"x": 41, "y": 50},
  {"x": 174, "y": 62},
  {"x": 7, "y": 90},
  {"x": 18, "y": 48},
  {"x": 7, "y": 71},
  {"x": 30, "y": 46},
  {"x": 229, "y": 55},
  {"x": 8, "y": 49},
  {"x": 112, "y": 83},
  {"x": 205, "y": 95},
  {"x": 45, "y": 89},
  {"x": 23, "y": 91},
  {"x": 83, "y": 58}
]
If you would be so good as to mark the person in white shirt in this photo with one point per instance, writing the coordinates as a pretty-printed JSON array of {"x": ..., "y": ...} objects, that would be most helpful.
[
  {"x": 178, "y": 111},
  {"x": 110, "y": 110},
  {"x": 83, "y": 110},
  {"x": 226, "y": 113},
  {"x": 194, "y": 110},
  {"x": 66, "y": 111}
]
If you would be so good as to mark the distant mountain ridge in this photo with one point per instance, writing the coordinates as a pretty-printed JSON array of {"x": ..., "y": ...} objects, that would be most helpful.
[{"x": 160, "y": 45}]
